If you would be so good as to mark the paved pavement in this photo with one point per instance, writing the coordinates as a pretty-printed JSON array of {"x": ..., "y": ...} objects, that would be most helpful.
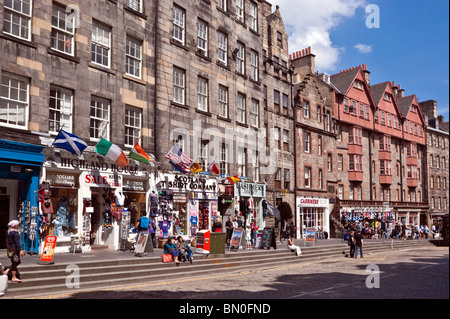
[{"x": 406, "y": 274}]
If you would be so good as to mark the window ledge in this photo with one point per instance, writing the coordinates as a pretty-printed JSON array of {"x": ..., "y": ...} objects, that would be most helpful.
[
  {"x": 139, "y": 14},
  {"x": 63, "y": 55},
  {"x": 131, "y": 78},
  {"x": 101, "y": 68},
  {"x": 183, "y": 106},
  {"x": 223, "y": 119},
  {"x": 203, "y": 112},
  {"x": 179, "y": 44},
  {"x": 18, "y": 40}
]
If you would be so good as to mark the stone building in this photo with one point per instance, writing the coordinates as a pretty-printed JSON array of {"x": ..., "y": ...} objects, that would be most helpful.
[
  {"x": 86, "y": 67},
  {"x": 437, "y": 155},
  {"x": 315, "y": 140},
  {"x": 223, "y": 95}
]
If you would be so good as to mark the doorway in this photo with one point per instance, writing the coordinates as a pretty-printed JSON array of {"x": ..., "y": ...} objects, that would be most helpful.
[{"x": 4, "y": 219}]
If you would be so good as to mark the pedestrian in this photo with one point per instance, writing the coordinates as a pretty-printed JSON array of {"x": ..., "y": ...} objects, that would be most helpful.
[
  {"x": 426, "y": 231},
  {"x": 351, "y": 243},
  {"x": 152, "y": 231},
  {"x": 14, "y": 249},
  {"x": 235, "y": 223},
  {"x": 229, "y": 230},
  {"x": 170, "y": 248},
  {"x": 217, "y": 226},
  {"x": 358, "y": 244},
  {"x": 254, "y": 230},
  {"x": 184, "y": 249},
  {"x": 143, "y": 223},
  {"x": 294, "y": 247}
]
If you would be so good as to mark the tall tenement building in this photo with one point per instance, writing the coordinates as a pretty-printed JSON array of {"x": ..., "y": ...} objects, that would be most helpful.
[
  {"x": 211, "y": 77},
  {"x": 437, "y": 155}
]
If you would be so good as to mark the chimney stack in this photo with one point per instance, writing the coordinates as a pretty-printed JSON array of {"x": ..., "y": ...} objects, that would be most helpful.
[
  {"x": 366, "y": 73},
  {"x": 304, "y": 62}
]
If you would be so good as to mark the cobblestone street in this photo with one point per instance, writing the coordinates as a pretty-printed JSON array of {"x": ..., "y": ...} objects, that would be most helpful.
[{"x": 406, "y": 274}]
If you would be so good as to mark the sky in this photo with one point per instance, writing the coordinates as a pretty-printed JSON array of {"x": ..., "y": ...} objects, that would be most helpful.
[{"x": 407, "y": 42}]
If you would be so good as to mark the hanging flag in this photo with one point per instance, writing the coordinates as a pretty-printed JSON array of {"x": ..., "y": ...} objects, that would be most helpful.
[
  {"x": 112, "y": 152},
  {"x": 179, "y": 158},
  {"x": 70, "y": 142},
  {"x": 177, "y": 168},
  {"x": 233, "y": 179},
  {"x": 212, "y": 167},
  {"x": 138, "y": 154},
  {"x": 196, "y": 168}
]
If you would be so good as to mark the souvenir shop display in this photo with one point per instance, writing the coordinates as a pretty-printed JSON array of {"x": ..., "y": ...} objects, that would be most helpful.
[
  {"x": 203, "y": 216},
  {"x": 164, "y": 225}
]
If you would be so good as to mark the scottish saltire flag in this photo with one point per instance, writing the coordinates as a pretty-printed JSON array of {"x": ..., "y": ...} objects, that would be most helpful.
[
  {"x": 70, "y": 142},
  {"x": 179, "y": 158}
]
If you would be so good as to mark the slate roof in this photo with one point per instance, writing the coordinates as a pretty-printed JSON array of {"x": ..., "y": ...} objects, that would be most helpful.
[
  {"x": 343, "y": 81},
  {"x": 377, "y": 92},
  {"x": 404, "y": 104}
]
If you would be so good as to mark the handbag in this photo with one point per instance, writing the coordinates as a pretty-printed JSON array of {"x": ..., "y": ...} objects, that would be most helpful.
[
  {"x": 167, "y": 258},
  {"x": 9, "y": 252}
]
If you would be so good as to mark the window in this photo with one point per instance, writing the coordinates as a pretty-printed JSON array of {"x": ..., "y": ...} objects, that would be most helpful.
[
  {"x": 179, "y": 17},
  {"x": 223, "y": 164},
  {"x": 222, "y": 4},
  {"x": 202, "y": 94},
  {"x": 133, "y": 120},
  {"x": 223, "y": 48},
  {"x": 286, "y": 140},
  {"x": 276, "y": 137},
  {"x": 367, "y": 113},
  {"x": 395, "y": 122},
  {"x": 179, "y": 81},
  {"x": 278, "y": 178},
  {"x": 306, "y": 109},
  {"x": 387, "y": 97},
  {"x": 341, "y": 191},
  {"x": 383, "y": 118},
  {"x": 355, "y": 136},
  {"x": 308, "y": 177},
  {"x": 17, "y": 18},
  {"x": 287, "y": 178},
  {"x": 133, "y": 63},
  {"x": 389, "y": 120},
  {"x": 253, "y": 16},
  {"x": 255, "y": 162},
  {"x": 62, "y": 31},
  {"x": 60, "y": 109},
  {"x": 240, "y": 59},
  {"x": 14, "y": 100},
  {"x": 241, "y": 108},
  {"x": 136, "y": 5},
  {"x": 339, "y": 132},
  {"x": 330, "y": 162},
  {"x": 276, "y": 100},
  {"x": 353, "y": 108},
  {"x": 254, "y": 66},
  {"x": 100, "y": 114},
  {"x": 240, "y": 10},
  {"x": 320, "y": 179},
  {"x": 254, "y": 113},
  {"x": 203, "y": 151},
  {"x": 319, "y": 114},
  {"x": 385, "y": 167},
  {"x": 320, "y": 146},
  {"x": 285, "y": 104},
  {"x": 223, "y": 101},
  {"x": 385, "y": 143},
  {"x": 340, "y": 162},
  {"x": 241, "y": 159},
  {"x": 358, "y": 84},
  {"x": 346, "y": 105},
  {"x": 202, "y": 38},
  {"x": 361, "y": 110},
  {"x": 355, "y": 163},
  {"x": 101, "y": 44},
  {"x": 279, "y": 39},
  {"x": 307, "y": 141}
]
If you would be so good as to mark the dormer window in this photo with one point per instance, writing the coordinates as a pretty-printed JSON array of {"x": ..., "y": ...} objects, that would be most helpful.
[
  {"x": 387, "y": 97},
  {"x": 358, "y": 84}
]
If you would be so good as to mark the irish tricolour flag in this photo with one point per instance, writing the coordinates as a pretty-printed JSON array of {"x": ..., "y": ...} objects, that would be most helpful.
[
  {"x": 112, "y": 152},
  {"x": 138, "y": 154}
]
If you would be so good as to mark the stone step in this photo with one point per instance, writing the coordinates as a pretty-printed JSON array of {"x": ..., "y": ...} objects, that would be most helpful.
[{"x": 42, "y": 280}]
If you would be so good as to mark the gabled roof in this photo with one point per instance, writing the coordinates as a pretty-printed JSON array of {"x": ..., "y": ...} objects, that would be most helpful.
[
  {"x": 404, "y": 104},
  {"x": 377, "y": 91},
  {"x": 343, "y": 81}
]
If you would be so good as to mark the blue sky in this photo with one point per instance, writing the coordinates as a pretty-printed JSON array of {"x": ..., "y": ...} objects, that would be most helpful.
[{"x": 411, "y": 47}]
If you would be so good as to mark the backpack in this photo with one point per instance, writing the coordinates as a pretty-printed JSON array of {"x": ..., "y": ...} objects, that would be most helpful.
[{"x": 144, "y": 222}]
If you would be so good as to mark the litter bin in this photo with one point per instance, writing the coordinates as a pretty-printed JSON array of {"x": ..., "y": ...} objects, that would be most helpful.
[{"x": 217, "y": 245}]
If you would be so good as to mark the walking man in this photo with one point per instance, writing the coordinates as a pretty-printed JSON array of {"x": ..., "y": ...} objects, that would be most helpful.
[{"x": 358, "y": 244}]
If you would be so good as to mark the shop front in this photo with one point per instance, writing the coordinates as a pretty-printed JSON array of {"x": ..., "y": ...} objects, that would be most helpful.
[
  {"x": 186, "y": 204},
  {"x": 248, "y": 200},
  {"x": 88, "y": 198},
  {"x": 20, "y": 166},
  {"x": 312, "y": 213}
]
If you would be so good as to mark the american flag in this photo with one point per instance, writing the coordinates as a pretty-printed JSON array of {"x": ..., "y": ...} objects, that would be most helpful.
[{"x": 179, "y": 158}]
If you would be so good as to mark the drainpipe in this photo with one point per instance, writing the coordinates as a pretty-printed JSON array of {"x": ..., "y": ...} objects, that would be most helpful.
[{"x": 155, "y": 94}]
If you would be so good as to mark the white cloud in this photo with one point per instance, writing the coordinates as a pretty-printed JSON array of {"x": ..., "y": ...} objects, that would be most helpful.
[
  {"x": 309, "y": 23},
  {"x": 363, "y": 48}
]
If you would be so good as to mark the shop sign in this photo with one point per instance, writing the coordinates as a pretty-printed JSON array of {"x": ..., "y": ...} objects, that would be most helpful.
[
  {"x": 61, "y": 179},
  {"x": 187, "y": 183},
  {"x": 133, "y": 186},
  {"x": 93, "y": 165},
  {"x": 49, "y": 249},
  {"x": 250, "y": 190},
  {"x": 179, "y": 198},
  {"x": 208, "y": 196},
  {"x": 103, "y": 180},
  {"x": 312, "y": 202}
]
